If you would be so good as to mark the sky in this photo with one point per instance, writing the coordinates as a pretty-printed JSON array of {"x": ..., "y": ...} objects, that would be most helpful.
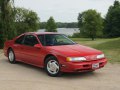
[{"x": 64, "y": 10}]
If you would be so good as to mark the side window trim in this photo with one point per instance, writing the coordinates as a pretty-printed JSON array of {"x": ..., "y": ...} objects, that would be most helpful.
[
  {"x": 40, "y": 40},
  {"x": 23, "y": 40}
]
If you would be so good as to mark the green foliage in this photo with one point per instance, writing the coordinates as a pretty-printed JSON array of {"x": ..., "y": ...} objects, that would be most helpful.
[
  {"x": 7, "y": 20},
  {"x": 15, "y": 21},
  {"x": 26, "y": 21},
  {"x": 1, "y": 33},
  {"x": 51, "y": 25},
  {"x": 90, "y": 24},
  {"x": 112, "y": 21},
  {"x": 67, "y": 25},
  {"x": 76, "y": 35},
  {"x": 42, "y": 25}
]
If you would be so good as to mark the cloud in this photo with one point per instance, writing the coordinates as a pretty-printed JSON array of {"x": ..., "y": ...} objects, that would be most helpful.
[{"x": 64, "y": 10}]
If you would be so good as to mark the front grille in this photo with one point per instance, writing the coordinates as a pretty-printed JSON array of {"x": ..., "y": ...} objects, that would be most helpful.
[
  {"x": 91, "y": 57},
  {"x": 86, "y": 65}
]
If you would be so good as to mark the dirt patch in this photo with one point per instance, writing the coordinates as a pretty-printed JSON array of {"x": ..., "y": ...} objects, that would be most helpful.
[{"x": 25, "y": 77}]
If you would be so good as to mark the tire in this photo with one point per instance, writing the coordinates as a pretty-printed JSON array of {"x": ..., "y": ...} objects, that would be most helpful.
[
  {"x": 52, "y": 66},
  {"x": 11, "y": 56}
]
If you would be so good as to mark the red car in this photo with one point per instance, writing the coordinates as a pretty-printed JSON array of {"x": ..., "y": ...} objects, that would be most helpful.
[{"x": 54, "y": 52}]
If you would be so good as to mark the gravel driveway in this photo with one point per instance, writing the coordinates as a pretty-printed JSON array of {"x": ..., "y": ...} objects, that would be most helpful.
[{"x": 25, "y": 77}]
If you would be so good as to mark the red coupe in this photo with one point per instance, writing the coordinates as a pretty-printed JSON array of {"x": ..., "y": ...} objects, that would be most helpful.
[{"x": 54, "y": 52}]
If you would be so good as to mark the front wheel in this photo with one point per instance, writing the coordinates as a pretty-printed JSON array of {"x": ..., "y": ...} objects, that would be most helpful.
[
  {"x": 11, "y": 56},
  {"x": 52, "y": 67}
]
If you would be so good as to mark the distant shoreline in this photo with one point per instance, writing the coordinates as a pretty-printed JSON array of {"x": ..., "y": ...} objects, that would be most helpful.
[{"x": 67, "y": 31}]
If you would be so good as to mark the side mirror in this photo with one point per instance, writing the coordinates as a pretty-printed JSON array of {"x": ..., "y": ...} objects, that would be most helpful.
[{"x": 38, "y": 46}]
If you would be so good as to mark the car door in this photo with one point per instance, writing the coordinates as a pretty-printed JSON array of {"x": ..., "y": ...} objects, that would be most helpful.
[
  {"x": 30, "y": 53},
  {"x": 18, "y": 48}
]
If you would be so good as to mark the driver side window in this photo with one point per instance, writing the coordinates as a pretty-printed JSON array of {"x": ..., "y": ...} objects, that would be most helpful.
[{"x": 30, "y": 40}]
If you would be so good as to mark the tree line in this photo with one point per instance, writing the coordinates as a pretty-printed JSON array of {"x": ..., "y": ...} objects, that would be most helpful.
[
  {"x": 61, "y": 25},
  {"x": 92, "y": 25}
]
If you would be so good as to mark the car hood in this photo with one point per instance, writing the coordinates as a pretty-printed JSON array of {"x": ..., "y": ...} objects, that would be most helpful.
[{"x": 74, "y": 50}]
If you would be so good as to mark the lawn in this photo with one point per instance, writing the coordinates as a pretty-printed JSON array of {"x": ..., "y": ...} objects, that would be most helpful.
[{"x": 111, "y": 47}]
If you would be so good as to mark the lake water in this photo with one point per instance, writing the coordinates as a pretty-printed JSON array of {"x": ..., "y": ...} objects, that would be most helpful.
[{"x": 67, "y": 31}]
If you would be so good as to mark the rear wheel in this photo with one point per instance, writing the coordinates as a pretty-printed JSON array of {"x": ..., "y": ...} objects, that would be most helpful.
[
  {"x": 52, "y": 67},
  {"x": 11, "y": 56}
]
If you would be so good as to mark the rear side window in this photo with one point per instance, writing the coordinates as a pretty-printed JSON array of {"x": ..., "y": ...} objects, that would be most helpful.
[
  {"x": 30, "y": 40},
  {"x": 20, "y": 40}
]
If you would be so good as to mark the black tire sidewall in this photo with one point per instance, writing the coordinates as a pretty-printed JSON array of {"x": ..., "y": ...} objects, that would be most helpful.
[
  {"x": 46, "y": 61},
  {"x": 14, "y": 61}
]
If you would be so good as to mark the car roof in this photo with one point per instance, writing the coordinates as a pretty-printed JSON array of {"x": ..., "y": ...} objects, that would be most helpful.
[{"x": 39, "y": 33}]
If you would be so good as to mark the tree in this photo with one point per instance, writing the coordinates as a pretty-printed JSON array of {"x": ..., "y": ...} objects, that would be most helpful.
[
  {"x": 67, "y": 25},
  {"x": 7, "y": 19},
  {"x": 51, "y": 25},
  {"x": 112, "y": 21},
  {"x": 1, "y": 33},
  {"x": 15, "y": 21},
  {"x": 26, "y": 21},
  {"x": 90, "y": 24},
  {"x": 42, "y": 25}
]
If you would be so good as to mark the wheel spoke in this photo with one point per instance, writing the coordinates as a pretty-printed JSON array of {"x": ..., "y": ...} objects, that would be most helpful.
[
  {"x": 52, "y": 67},
  {"x": 55, "y": 64}
]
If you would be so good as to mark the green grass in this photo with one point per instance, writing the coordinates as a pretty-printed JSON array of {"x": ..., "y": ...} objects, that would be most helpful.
[{"x": 111, "y": 47}]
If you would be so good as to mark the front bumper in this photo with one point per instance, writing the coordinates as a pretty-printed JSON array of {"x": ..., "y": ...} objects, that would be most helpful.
[{"x": 82, "y": 66}]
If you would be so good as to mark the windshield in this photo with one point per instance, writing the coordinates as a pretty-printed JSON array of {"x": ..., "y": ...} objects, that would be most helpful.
[{"x": 56, "y": 39}]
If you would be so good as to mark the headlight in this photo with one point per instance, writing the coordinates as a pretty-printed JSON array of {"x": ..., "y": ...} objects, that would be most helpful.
[
  {"x": 100, "y": 56},
  {"x": 76, "y": 59}
]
